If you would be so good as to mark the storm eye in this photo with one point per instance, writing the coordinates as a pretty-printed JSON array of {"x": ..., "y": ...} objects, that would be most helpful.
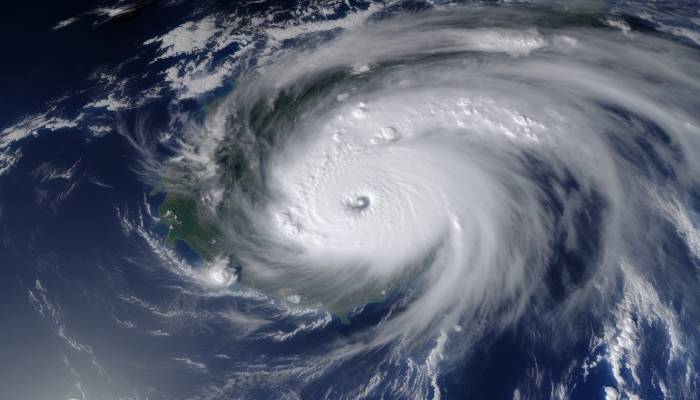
[{"x": 357, "y": 203}]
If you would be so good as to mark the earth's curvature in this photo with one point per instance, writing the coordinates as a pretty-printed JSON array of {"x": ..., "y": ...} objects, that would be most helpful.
[{"x": 350, "y": 200}]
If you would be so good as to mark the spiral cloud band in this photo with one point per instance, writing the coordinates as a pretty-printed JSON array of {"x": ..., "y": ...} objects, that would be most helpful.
[{"x": 462, "y": 169}]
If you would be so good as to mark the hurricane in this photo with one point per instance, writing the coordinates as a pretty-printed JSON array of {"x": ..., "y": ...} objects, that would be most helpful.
[
  {"x": 430, "y": 199},
  {"x": 462, "y": 169}
]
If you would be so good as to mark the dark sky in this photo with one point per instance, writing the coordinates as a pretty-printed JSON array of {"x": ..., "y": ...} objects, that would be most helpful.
[{"x": 40, "y": 64}]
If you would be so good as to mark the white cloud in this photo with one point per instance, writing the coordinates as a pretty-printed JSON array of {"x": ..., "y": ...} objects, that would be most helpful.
[
  {"x": 111, "y": 103},
  {"x": 115, "y": 11},
  {"x": 8, "y": 159},
  {"x": 32, "y": 124},
  {"x": 191, "y": 363},
  {"x": 29, "y": 126},
  {"x": 192, "y": 79},
  {"x": 100, "y": 130},
  {"x": 64, "y": 23},
  {"x": 187, "y": 38},
  {"x": 39, "y": 299}
]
